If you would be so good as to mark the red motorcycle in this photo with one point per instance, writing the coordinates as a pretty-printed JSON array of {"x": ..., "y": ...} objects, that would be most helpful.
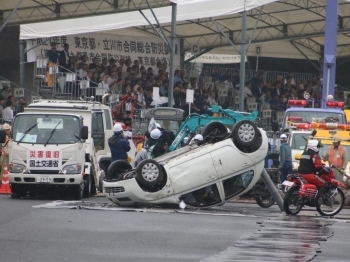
[{"x": 328, "y": 200}]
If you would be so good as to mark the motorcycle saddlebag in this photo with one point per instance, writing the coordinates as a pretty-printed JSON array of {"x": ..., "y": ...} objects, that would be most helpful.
[{"x": 308, "y": 190}]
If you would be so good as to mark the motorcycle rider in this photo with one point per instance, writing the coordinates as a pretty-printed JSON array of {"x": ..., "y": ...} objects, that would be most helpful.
[{"x": 310, "y": 166}]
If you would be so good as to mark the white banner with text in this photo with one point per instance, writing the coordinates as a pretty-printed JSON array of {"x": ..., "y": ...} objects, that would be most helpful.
[{"x": 147, "y": 50}]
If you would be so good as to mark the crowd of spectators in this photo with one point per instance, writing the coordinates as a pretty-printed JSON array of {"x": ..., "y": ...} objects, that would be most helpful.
[
  {"x": 123, "y": 76},
  {"x": 9, "y": 106}
]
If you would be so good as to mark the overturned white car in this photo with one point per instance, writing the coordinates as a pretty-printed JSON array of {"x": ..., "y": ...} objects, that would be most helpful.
[{"x": 224, "y": 165}]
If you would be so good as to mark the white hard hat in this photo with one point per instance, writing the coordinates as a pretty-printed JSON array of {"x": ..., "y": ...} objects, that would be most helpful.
[
  {"x": 117, "y": 128},
  {"x": 155, "y": 134},
  {"x": 198, "y": 137},
  {"x": 283, "y": 136},
  {"x": 6, "y": 127},
  {"x": 312, "y": 144}
]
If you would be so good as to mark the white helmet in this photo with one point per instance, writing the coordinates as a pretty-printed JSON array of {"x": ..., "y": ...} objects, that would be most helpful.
[
  {"x": 155, "y": 134},
  {"x": 198, "y": 137},
  {"x": 117, "y": 128},
  {"x": 312, "y": 144}
]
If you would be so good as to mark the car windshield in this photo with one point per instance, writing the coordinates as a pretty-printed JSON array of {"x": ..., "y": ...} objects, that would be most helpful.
[
  {"x": 313, "y": 116},
  {"x": 42, "y": 129},
  {"x": 169, "y": 125}
]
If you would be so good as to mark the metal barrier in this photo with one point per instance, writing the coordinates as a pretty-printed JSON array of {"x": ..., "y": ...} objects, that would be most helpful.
[
  {"x": 195, "y": 71},
  {"x": 55, "y": 81}
]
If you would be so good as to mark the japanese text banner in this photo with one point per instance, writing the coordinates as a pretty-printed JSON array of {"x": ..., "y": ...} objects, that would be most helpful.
[{"x": 147, "y": 50}]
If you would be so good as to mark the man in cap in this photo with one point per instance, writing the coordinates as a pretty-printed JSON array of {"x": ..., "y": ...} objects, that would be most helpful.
[
  {"x": 118, "y": 144},
  {"x": 285, "y": 166},
  {"x": 5, "y": 150},
  {"x": 337, "y": 158},
  {"x": 154, "y": 145}
]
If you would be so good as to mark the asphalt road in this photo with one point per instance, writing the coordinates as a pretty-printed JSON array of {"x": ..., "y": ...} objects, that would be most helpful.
[{"x": 58, "y": 235}]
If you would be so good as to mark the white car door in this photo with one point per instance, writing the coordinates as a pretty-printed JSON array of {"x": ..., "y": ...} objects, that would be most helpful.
[
  {"x": 228, "y": 160},
  {"x": 194, "y": 173}
]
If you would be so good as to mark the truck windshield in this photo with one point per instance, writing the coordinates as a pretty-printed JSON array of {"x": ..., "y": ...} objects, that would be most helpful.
[
  {"x": 298, "y": 142},
  {"x": 67, "y": 129},
  {"x": 310, "y": 116}
]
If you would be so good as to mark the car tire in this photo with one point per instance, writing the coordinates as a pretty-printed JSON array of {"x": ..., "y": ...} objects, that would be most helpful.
[
  {"x": 245, "y": 133},
  {"x": 214, "y": 128},
  {"x": 93, "y": 184},
  {"x": 77, "y": 192},
  {"x": 87, "y": 186},
  {"x": 116, "y": 168},
  {"x": 149, "y": 173}
]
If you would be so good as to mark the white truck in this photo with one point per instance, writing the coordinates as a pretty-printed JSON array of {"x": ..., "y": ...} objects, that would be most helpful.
[{"x": 60, "y": 147}]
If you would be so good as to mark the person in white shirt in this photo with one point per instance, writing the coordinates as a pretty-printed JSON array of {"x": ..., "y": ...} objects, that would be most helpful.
[
  {"x": 7, "y": 113},
  {"x": 247, "y": 90},
  {"x": 112, "y": 81},
  {"x": 103, "y": 88},
  {"x": 82, "y": 73}
]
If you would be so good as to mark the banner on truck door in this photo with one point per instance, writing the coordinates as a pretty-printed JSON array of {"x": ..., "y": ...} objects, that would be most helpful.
[
  {"x": 147, "y": 50},
  {"x": 44, "y": 159}
]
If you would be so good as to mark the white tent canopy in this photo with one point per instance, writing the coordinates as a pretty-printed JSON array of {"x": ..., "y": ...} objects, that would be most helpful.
[
  {"x": 186, "y": 10},
  {"x": 286, "y": 29}
]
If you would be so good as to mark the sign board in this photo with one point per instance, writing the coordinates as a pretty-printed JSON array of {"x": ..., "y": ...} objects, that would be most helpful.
[
  {"x": 266, "y": 113},
  {"x": 223, "y": 91},
  {"x": 251, "y": 100},
  {"x": 195, "y": 49},
  {"x": 214, "y": 58},
  {"x": 189, "y": 95},
  {"x": 5, "y": 83},
  {"x": 44, "y": 159},
  {"x": 147, "y": 50},
  {"x": 155, "y": 96},
  {"x": 252, "y": 106},
  {"x": 18, "y": 92}
]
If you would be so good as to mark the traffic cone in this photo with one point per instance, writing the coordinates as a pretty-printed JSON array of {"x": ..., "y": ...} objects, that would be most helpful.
[{"x": 5, "y": 186}]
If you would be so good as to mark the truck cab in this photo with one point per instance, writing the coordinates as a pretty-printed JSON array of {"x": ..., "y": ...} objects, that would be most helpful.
[
  {"x": 325, "y": 132},
  {"x": 298, "y": 114},
  {"x": 54, "y": 128}
]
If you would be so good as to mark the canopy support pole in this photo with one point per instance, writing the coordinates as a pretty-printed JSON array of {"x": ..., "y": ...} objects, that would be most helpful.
[
  {"x": 21, "y": 63},
  {"x": 162, "y": 37},
  {"x": 200, "y": 53},
  {"x": 224, "y": 35},
  {"x": 304, "y": 55},
  {"x": 160, "y": 27},
  {"x": 255, "y": 26},
  {"x": 242, "y": 68},
  {"x": 172, "y": 54},
  {"x": 330, "y": 50}
]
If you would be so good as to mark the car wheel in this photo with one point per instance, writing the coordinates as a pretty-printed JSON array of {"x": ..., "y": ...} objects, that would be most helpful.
[
  {"x": 93, "y": 184},
  {"x": 245, "y": 133},
  {"x": 149, "y": 173},
  {"x": 214, "y": 128},
  {"x": 116, "y": 168},
  {"x": 87, "y": 186},
  {"x": 77, "y": 192}
]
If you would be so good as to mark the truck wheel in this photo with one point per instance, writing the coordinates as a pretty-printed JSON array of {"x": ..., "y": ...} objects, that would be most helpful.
[
  {"x": 87, "y": 186},
  {"x": 93, "y": 185},
  {"x": 245, "y": 133},
  {"x": 77, "y": 192},
  {"x": 118, "y": 167},
  {"x": 149, "y": 173},
  {"x": 214, "y": 128}
]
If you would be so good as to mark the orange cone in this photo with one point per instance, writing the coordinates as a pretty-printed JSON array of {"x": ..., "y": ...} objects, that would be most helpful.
[{"x": 5, "y": 186}]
